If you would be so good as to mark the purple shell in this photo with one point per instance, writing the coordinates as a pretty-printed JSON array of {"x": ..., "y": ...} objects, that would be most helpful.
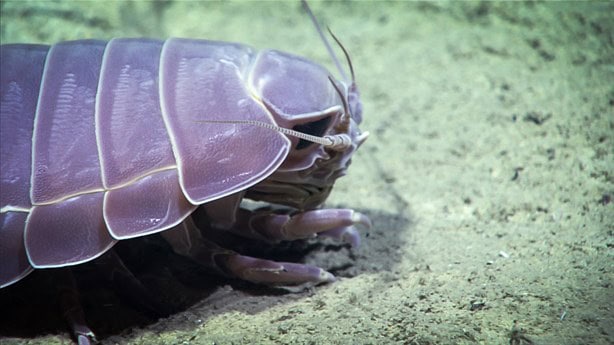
[{"x": 103, "y": 141}]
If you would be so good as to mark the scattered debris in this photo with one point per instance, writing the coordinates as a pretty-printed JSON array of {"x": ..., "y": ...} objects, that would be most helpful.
[
  {"x": 517, "y": 171},
  {"x": 563, "y": 314},
  {"x": 476, "y": 305},
  {"x": 605, "y": 199},
  {"x": 517, "y": 336},
  {"x": 536, "y": 117}
]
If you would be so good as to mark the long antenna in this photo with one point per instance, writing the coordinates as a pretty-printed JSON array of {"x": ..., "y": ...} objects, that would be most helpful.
[
  {"x": 328, "y": 47},
  {"x": 345, "y": 52},
  {"x": 337, "y": 142}
]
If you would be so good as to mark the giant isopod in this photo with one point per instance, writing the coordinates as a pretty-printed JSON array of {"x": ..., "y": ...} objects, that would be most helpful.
[{"x": 106, "y": 141}]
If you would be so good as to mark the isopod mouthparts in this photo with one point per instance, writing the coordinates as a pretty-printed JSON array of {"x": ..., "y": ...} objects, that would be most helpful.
[{"x": 337, "y": 142}]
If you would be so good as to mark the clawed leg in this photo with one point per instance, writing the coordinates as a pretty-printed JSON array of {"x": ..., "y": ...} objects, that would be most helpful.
[
  {"x": 70, "y": 304},
  {"x": 265, "y": 224},
  {"x": 339, "y": 224},
  {"x": 187, "y": 240},
  {"x": 130, "y": 287},
  {"x": 111, "y": 267}
]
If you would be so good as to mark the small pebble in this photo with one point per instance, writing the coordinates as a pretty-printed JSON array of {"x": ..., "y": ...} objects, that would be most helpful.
[{"x": 504, "y": 254}]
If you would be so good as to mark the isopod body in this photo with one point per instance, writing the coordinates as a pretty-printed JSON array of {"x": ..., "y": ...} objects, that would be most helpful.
[{"x": 104, "y": 141}]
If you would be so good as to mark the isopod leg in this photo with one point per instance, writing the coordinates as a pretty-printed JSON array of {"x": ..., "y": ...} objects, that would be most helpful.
[
  {"x": 270, "y": 272},
  {"x": 187, "y": 240},
  {"x": 130, "y": 287},
  {"x": 339, "y": 224},
  {"x": 70, "y": 305}
]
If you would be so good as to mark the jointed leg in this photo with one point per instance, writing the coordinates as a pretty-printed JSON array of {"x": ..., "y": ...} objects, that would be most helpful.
[
  {"x": 187, "y": 240},
  {"x": 272, "y": 226}
]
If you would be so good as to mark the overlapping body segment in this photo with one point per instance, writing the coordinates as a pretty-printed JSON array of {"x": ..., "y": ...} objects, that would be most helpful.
[
  {"x": 210, "y": 84},
  {"x": 19, "y": 87}
]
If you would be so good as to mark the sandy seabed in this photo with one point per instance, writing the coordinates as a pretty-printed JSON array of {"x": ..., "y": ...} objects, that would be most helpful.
[{"x": 488, "y": 175}]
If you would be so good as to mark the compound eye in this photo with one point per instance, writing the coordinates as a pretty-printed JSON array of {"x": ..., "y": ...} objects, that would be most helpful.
[{"x": 317, "y": 128}]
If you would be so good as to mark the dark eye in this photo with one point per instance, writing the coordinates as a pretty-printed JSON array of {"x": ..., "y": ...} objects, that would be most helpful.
[{"x": 316, "y": 128}]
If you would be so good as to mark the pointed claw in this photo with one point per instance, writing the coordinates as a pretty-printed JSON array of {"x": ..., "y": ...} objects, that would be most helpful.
[
  {"x": 347, "y": 234},
  {"x": 262, "y": 271},
  {"x": 359, "y": 218},
  {"x": 86, "y": 339}
]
